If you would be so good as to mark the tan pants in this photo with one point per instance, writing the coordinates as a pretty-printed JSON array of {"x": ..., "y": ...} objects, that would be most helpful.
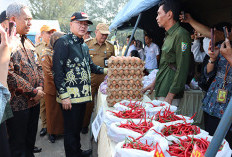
[
  {"x": 43, "y": 113},
  {"x": 175, "y": 102}
]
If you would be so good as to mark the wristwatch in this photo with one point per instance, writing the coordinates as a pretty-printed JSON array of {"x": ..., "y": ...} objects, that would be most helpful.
[{"x": 212, "y": 62}]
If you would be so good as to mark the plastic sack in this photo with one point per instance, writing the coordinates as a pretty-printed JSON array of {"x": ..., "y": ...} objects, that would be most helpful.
[
  {"x": 125, "y": 152},
  {"x": 119, "y": 134}
]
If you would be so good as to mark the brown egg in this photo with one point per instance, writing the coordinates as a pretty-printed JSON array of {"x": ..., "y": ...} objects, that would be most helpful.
[
  {"x": 111, "y": 97},
  {"x": 114, "y": 93},
  {"x": 128, "y": 96},
  {"x": 125, "y": 92},
  {"x": 114, "y": 82},
  {"x": 129, "y": 65},
  {"x": 120, "y": 93},
  {"x": 138, "y": 72},
  {"x": 133, "y": 96},
  {"x": 116, "y": 86},
  {"x": 131, "y": 92},
  {"x": 139, "y": 96},
  {"x": 140, "y": 76},
  {"x": 135, "y": 65},
  {"x": 132, "y": 61},
  {"x": 121, "y": 72},
  {"x": 128, "y": 76},
  {"x": 131, "y": 81},
  {"x": 123, "y": 76},
  {"x": 122, "y": 86},
  {"x": 118, "y": 65},
  {"x": 111, "y": 86},
  {"x": 122, "y": 96},
  {"x": 116, "y": 96},
  {"x": 138, "y": 82},
  {"x": 128, "y": 86},
  {"x": 123, "y": 65},
  {"x": 137, "y": 93},
  {"x": 141, "y": 65},
  {"x": 111, "y": 76},
  {"x": 134, "y": 76},
  {"x": 125, "y": 82},
  {"x": 132, "y": 72},
  {"x": 126, "y": 72},
  {"x": 115, "y": 72},
  {"x": 117, "y": 77},
  {"x": 120, "y": 82},
  {"x": 134, "y": 86}
]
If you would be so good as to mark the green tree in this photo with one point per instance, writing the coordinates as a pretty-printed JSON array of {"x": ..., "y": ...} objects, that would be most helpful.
[{"x": 60, "y": 10}]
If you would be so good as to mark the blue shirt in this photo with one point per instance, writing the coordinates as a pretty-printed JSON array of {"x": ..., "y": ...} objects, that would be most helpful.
[{"x": 210, "y": 104}]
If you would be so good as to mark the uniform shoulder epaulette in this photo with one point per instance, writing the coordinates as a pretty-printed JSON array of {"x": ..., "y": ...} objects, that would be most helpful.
[
  {"x": 87, "y": 40},
  {"x": 110, "y": 42}
]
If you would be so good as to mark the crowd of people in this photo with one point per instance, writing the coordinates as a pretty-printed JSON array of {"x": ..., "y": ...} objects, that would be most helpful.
[{"x": 59, "y": 76}]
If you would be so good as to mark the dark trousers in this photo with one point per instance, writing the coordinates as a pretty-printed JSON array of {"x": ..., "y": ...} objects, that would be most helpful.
[
  {"x": 22, "y": 129},
  {"x": 4, "y": 145},
  {"x": 211, "y": 124},
  {"x": 73, "y": 120}
]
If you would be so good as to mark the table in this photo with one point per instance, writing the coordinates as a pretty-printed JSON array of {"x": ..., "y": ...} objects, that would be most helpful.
[{"x": 189, "y": 104}]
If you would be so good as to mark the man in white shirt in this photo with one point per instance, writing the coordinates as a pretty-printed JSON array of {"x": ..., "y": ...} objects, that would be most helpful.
[
  {"x": 132, "y": 46},
  {"x": 196, "y": 48},
  {"x": 152, "y": 54}
]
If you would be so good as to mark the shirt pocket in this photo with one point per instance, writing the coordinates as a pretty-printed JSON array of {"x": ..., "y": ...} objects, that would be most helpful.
[{"x": 92, "y": 53}]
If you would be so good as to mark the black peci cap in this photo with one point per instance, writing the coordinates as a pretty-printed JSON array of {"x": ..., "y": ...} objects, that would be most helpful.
[
  {"x": 3, "y": 17},
  {"x": 80, "y": 16}
]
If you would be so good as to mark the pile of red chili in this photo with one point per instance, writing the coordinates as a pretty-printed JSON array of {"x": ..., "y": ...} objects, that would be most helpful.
[
  {"x": 141, "y": 127},
  {"x": 131, "y": 105},
  {"x": 185, "y": 147},
  {"x": 162, "y": 104},
  {"x": 167, "y": 116},
  {"x": 180, "y": 129},
  {"x": 133, "y": 113},
  {"x": 136, "y": 144}
]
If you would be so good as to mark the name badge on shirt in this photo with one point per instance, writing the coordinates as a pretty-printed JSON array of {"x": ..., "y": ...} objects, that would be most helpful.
[{"x": 222, "y": 95}]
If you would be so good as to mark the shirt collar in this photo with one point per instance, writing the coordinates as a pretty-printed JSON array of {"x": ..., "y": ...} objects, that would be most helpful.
[
  {"x": 172, "y": 29},
  {"x": 95, "y": 42},
  {"x": 76, "y": 38}
]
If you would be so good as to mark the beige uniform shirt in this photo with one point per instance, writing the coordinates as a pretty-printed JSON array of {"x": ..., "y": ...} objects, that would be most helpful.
[
  {"x": 39, "y": 48},
  {"x": 98, "y": 53}
]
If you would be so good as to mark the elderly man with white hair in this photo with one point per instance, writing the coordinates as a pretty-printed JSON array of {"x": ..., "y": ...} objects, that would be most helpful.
[{"x": 25, "y": 82}]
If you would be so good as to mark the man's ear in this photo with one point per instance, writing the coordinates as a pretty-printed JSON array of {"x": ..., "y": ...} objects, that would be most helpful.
[
  {"x": 170, "y": 14},
  {"x": 12, "y": 19}
]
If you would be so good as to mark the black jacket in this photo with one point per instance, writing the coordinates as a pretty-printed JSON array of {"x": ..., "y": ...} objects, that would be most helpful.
[{"x": 72, "y": 67}]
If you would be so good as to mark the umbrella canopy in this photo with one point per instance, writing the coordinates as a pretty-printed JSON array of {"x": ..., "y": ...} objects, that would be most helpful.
[{"x": 208, "y": 12}]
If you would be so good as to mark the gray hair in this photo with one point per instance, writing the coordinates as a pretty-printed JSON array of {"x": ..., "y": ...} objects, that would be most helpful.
[{"x": 14, "y": 9}]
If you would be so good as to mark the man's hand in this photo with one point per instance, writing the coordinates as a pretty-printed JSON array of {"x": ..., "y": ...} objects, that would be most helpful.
[
  {"x": 66, "y": 104},
  {"x": 39, "y": 88},
  {"x": 186, "y": 19},
  {"x": 169, "y": 98},
  {"x": 149, "y": 87},
  {"x": 39, "y": 95}
]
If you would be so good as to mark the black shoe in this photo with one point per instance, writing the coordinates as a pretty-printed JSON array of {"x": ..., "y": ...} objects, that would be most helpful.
[
  {"x": 86, "y": 153},
  {"x": 52, "y": 138},
  {"x": 43, "y": 132},
  {"x": 84, "y": 130},
  {"x": 37, "y": 150}
]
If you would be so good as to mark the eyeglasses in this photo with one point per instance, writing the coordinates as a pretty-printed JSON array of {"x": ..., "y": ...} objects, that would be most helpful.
[{"x": 81, "y": 24}]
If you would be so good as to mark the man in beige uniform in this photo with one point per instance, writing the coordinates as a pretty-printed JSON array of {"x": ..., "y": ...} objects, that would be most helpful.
[
  {"x": 100, "y": 51},
  {"x": 45, "y": 34}
]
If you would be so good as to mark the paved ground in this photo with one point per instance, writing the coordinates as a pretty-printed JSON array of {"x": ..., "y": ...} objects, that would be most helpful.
[{"x": 57, "y": 149}]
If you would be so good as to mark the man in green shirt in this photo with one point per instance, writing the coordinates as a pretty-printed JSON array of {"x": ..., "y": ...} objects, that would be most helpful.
[{"x": 174, "y": 64}]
